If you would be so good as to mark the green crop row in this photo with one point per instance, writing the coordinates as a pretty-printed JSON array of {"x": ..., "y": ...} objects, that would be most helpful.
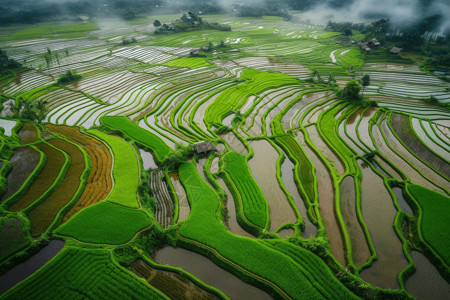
[
  {"x": 105, "y": 223},
  {"x": 255, "y": 83},
  {"x": 243, "y": 256},
  {"x": 254, "y": 205},
  {"x": 142, "y": 136},
  {"x": 188, "y": 62},
  {"x": 125, "y": 170},
  {"x": 76, "y": 272},
  {"x": 434, "y": 223}
]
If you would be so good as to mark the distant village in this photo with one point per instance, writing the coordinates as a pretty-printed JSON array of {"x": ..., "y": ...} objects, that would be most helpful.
[{"x": 191, "y": 21}]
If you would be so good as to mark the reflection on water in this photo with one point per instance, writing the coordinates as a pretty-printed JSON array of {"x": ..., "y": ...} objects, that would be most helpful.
[
  {"x": 401, "y": 201},
  {"x": 209, "y": 273},
  {"x": 378, "y": 213},
  {"x": 147, "y": 159},
  {"x": 426, "y": 283},
  {"x": 183, "y": 204},
  {"x": 31, "y": 265}
]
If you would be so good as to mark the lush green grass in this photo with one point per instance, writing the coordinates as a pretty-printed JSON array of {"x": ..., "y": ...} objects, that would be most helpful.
[
  {"x": 254, "y": 204},
  {"x": 58, "y": 30},
  {"x": 435, "y": 222},
  {"x": 125, "y": 171},
  {"x": 14, "y": 234},
  {"x": 80, "y": 273},
  {"x": 247, "y": 254},
  {"x": 188, "y": 62},
  {"x": 123, "y": 124},
  {"x": 255, "y": 83},
  {"x": 105, "y": 223}
]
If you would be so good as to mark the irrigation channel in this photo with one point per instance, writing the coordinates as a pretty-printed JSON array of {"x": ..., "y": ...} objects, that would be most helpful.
[
  {"x": 31, "y": 265},
  {"x": 204, "y": 269},
  {"x": 243, "y": 153}
]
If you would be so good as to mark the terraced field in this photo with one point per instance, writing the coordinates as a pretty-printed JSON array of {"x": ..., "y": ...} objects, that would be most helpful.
[{"x": 303, "y": 196}]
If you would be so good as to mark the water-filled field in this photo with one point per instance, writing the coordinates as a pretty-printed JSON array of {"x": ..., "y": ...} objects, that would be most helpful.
[{"x": 214, "y": 164}]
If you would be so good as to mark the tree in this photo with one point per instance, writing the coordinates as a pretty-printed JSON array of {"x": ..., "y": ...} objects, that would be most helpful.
[
  {"x": 365, "y": 81},
  {"x": 41, "y": 110},
  {"x": 350, "y": 91},
  {"x": 156, "y": 23}
]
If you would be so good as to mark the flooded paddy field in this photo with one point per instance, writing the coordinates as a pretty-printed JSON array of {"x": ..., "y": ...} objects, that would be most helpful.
[{"x": 330, "y": 174}]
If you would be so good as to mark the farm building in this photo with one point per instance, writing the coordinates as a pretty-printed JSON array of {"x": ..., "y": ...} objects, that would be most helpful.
[
  {"x": 396, "y": 50},
  {"x": 204, "y": 147}
]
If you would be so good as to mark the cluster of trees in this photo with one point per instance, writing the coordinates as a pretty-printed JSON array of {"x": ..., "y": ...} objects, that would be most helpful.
[
  {"x": 7, "y": 65},
  {"x": 266, "y": 8},
  {"x": 417, "y": 37},
  {"x": 29, "y": 12},
  {"x": 26, "y": 109},
  {"x": 69, "y": 77},
  {"x": 354, "y": 92},
  {"x": 186, "y": 23}
]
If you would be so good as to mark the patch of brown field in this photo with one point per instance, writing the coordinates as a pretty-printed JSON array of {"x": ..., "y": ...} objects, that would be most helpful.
[
  {"x": 99, "y": 182},
  {"x": 175, "y": 286},
  {"x": 28, "y": 133},
  {"x": 43, "y": 215},
  {"x": 48, "y": 175}
]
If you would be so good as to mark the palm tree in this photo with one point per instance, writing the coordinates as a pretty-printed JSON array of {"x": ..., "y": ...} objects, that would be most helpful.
[
  {"x": 41, "y": 109},
  {"x": 28, "y": 111}
]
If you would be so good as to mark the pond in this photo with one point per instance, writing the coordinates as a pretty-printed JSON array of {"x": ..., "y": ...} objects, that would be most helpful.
[{"x": 147, "y": 159}]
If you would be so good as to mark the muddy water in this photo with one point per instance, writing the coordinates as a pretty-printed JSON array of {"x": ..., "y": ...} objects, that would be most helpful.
[
  {"x": 401, "y": 201},
  {"x": 378, "y": 213},
  {"x": 412, "y": 174},
  {"x": 232, "y": 223},
  {"x": 24, "y": 161},
  {"x": 363, "y": 128},
  {"x": 352, "y": 121},
  {"x": 235, "y": 144},
  {"x": 174, "y": 285},
  {"x": 426, "y": 171},
  {"x": 8, "y": 125},
  {"x": 227, "y": 120},
  {"x": 147, "y": 159},
  {"x": 200, "y": 165},
  {"x": 285, "y": 233},
  {"x": 184, "y": 208},
  {"x": 346, "y": 139},
  {"x": 263, "y": 166},
  {"x": 388, "y": 168},
  {"x": 360, "y": 248},
  {"x": 31, "y": 265},
  {"x": 287, "y": 176},
  {"x": 28, "y": 134},
  {"x": 326, "y": 201},
  {"x": 426, "y": 283},
  {"x": 215, "y": 165},
  {"x": 208, "y": 272},
  {"x": 325, "y": 149}
]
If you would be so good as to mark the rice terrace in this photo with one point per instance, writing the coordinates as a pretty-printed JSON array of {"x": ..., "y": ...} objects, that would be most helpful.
[{"x": 224, "y": 150}]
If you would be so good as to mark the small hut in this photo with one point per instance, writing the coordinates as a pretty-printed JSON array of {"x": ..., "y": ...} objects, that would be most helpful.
[
  {"x": 396, "y": 50},
  {"x": 204, "y": 147}
]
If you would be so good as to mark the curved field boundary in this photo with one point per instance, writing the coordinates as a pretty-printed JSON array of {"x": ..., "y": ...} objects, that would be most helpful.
[
  {"x": 99, "y": 182},
  {"x": 215, "y": 239},
  {"x": 96, "y": 269},
  {"x": 158, "y": 147},
  {"x": 125, "y": 171},
  {"x": 254, "y": 204},
  {"x": 30, "y": 179},
  {"x": 68, "y": 191},
  {"x": 164, "y": 205},
  {"x": 189, "y": 276},
  {"x": 433, "y": 224},
  {"x": 99, "y": 223},
  {"x": 403, "y": 131},
  {"x": 48, "y": 180}
]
